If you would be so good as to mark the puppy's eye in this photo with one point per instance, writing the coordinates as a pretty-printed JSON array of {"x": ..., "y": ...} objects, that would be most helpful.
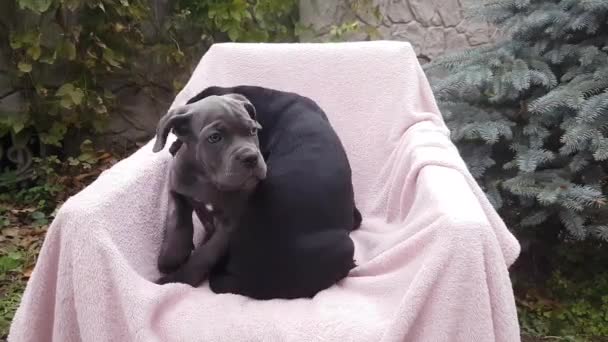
[
  {"x": 213, "y": 138},
  {"x": 253, "y": 131}
]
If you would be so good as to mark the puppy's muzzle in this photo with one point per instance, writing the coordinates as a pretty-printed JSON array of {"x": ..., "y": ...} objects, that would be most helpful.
[{"x": 249, "y": 160}]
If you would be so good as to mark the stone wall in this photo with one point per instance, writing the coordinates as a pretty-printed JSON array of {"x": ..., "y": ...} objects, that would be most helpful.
[{"x": 431, "y": 26}]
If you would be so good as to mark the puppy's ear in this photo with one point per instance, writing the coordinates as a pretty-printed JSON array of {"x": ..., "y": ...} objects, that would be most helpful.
[
  {"x": 177, "y": 119},
  {"x": 251, "y": 110},
  {"x": 252, "y": 113},
  {"x": 246, "y": 104},
  {"x": 177, "y": 144}
]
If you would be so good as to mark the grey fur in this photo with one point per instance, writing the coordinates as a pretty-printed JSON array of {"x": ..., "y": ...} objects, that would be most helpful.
[{"x": 211, "y": 177}]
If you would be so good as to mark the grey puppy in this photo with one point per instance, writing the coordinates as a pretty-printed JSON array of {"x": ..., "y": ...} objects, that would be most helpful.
[{"x": 217, "y": 164}]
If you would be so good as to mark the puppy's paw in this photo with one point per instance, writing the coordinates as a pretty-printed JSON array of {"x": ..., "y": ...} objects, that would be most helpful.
[
  {"x": 182, "y": 277},
  {"x": 170, "y": 260},
  {"x": 174, "y": 277},
  {"x": 167, "y": 279},
  {"x": 223, "y": 283},
  {"x": 167, "y": 266},
  {"x": 163, "y": 280}
]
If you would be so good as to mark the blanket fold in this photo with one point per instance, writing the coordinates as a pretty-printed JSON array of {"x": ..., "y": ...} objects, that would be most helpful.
[{"x": 432, "y": 253}]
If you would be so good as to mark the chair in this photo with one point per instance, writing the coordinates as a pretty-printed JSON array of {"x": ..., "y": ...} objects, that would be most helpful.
[{"x": 433, "y": 254}]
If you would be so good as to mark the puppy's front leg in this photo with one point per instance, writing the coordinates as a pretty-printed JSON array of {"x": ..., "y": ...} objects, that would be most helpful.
[
  {"x": 204, "y": 257},
  {"x": 206, "y": 217},
  {"x": 177, "y": 241}
]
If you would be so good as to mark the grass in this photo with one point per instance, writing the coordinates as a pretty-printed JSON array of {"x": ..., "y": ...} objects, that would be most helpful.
[
  {"x": 26, "y": 210},
  {"x": 11, "y": 296},
  {"x": 20, "y": 242}
]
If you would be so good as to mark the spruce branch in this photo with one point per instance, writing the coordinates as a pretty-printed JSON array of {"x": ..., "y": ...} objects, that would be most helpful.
[{"x": 530, "y": 113}]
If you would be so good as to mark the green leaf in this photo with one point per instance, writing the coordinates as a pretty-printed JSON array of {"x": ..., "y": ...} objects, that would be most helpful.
[
  {"x": 49, "y": 59},
  {"x": 37, "y": 215},
  {"x": 72, "y": 5},
  {"x": 14, "y": 121},
  {"x": 87, "y": 147},
  {"x": 24, "y": 39},
  {"x": 37, "y": 6},
  {"x": 66, "y": 103},
  {"x": 108, "y": 94},
  {"x": 24, "y": 67},
  {"x": 87, "y": 158},
  {"x": 73, "y": 162},
  {"x": 110, "y": 57},
  {"x": 18, "y": 127},
  {"x": 55, "y": 135},
  {"x": 10, "y": 262},
  {"x": 77, "y": 96},
  {"x": 233, "y": 34},
  {"x": 34, "y": 52},
  {"x": 235, "y": 15},
  {"x": 70, "y": 95},
  {"x": 68, "y": 50},
  {"x": 15, "y": 42},
  {"x": 124, "y": 3},
  {"x": 65, "y": 89},
  {"x": 39, "y": 218}
]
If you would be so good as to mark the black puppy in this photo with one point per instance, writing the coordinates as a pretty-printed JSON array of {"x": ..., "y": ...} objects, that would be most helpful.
[{"x": 293, "y": 239}]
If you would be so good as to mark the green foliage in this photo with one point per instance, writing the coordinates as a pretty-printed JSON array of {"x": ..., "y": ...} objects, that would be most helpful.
[
  {"x": 9, "y": 302},
  {"x": 242, "y": 20},
  {"x": 10, "y": 262},
  {"x": 67, "y": 59},
  {"x": 61, "y": 53},
  {"x": 47, "y": 183},
  {"x": 574, "y": 300},
  {"x": 13, "y": 263},
  {"x": 530, "y": 114},
  {"x": 582, "y": 313},
  {"x": 41, "y": 189},
  {"x": 339, "y": 32},
  {"x": 26, "y": 211},
  {"x": 359, "y": 22}
]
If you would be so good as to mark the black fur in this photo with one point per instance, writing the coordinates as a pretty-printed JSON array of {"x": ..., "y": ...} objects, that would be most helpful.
[{"x": 293, "y": 240}]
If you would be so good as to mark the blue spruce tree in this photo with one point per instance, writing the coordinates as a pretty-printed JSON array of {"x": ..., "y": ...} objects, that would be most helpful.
[{"x": 530, "y": 114}]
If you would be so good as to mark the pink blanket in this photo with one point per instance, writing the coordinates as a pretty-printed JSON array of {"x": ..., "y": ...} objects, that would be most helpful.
[{"x": 432, "y": 252}]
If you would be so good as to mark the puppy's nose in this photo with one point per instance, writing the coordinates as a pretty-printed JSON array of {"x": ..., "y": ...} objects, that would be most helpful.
[{"x": 250, "y": 160}]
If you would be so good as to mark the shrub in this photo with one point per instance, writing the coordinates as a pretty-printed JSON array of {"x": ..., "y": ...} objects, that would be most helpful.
[
  {"x": 64, "y": 60},
  {"x": 59, "y": 56},
  {"x": 574, "y": 299},
  {"x": 530, "y": 115}
]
